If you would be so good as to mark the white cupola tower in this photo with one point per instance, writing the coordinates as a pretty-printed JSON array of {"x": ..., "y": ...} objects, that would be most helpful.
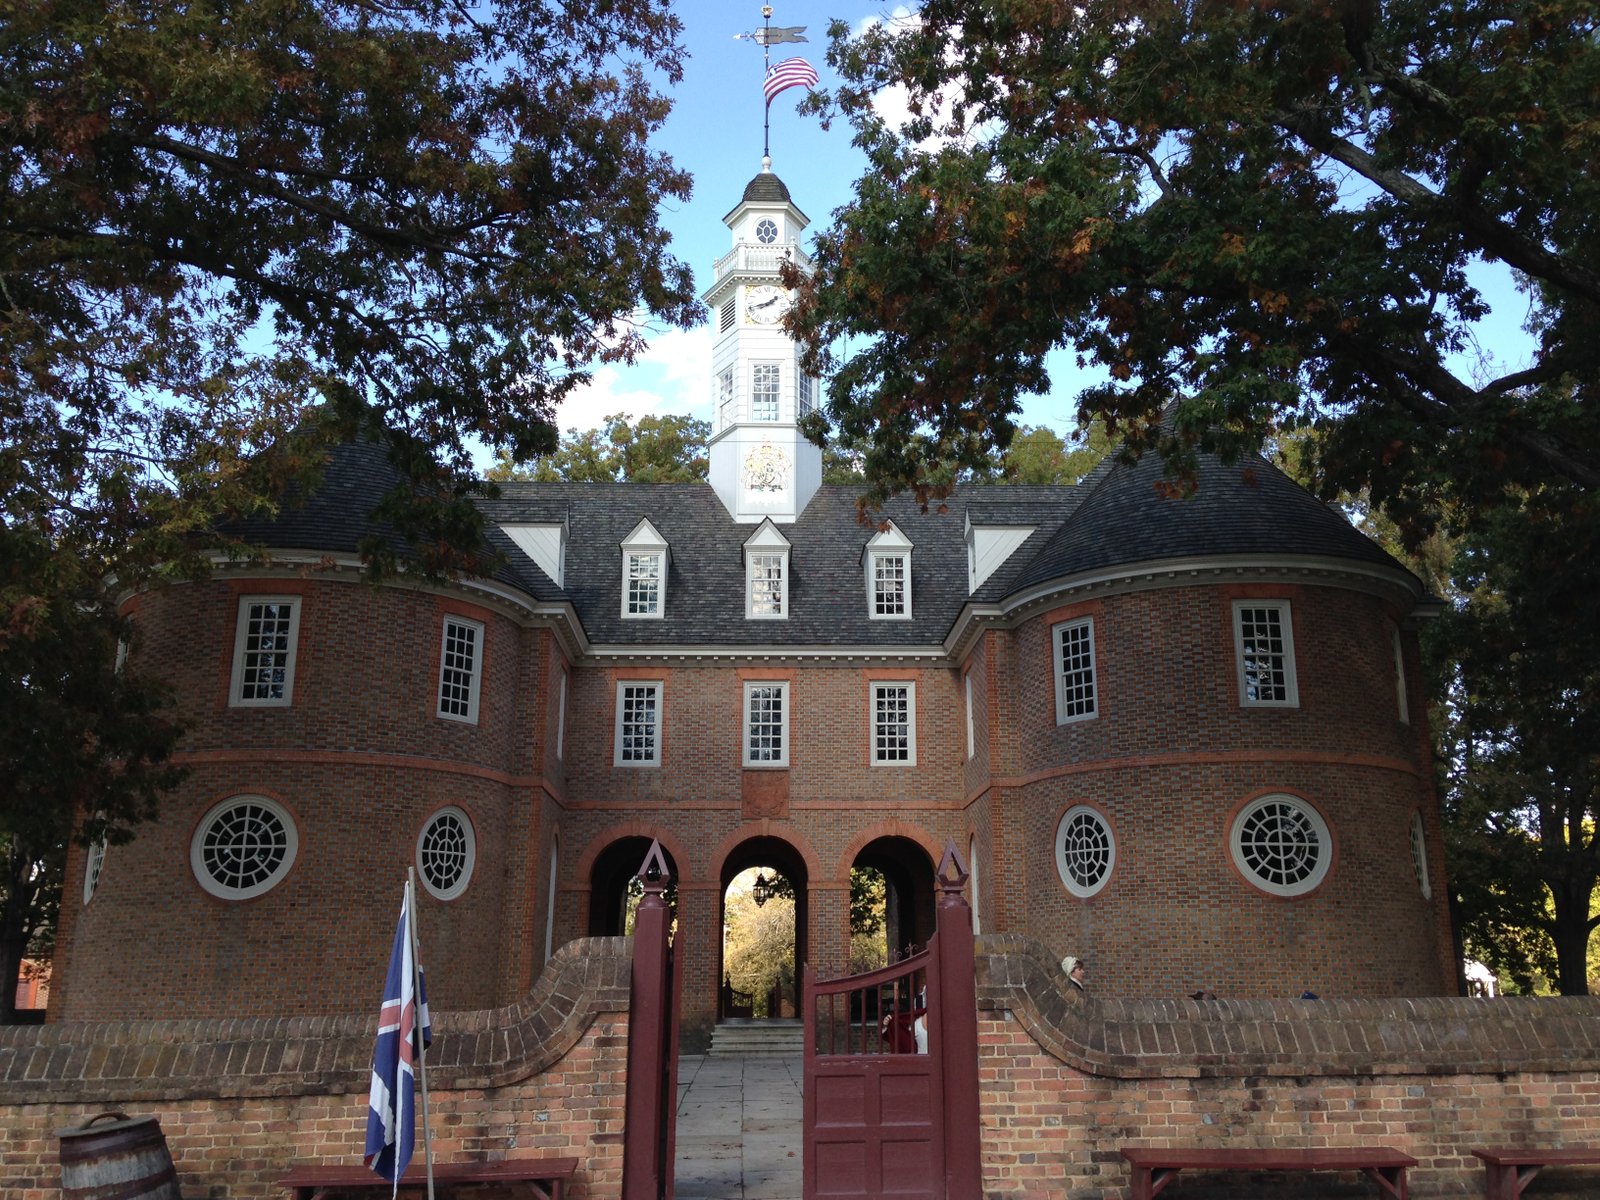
[{"x": 762, "y": 467}]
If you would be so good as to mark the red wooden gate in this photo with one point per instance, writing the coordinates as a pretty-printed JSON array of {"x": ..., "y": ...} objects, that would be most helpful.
[
  {"x": 891, "y": 1070},
  {"x": 650, "y": 1132}
]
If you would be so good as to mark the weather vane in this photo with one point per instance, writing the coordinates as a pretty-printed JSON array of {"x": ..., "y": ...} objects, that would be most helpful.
[{"x": 791, "y": 72}]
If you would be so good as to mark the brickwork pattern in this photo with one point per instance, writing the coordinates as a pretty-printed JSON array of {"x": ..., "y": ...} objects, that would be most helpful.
[{"x": 241, "y": 1101}]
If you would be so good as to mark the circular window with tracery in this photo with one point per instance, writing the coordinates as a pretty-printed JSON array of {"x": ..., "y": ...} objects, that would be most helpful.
[
  {"x": 446, "y": 850},
  {"x": 766, "y": 231},
  {"x": 244, "y": 847},
  {"x": 1282, "y": 845},
  {"x": 1085, "y": 850}
]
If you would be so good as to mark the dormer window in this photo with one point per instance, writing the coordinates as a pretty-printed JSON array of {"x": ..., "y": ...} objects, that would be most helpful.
[
  {"x": 887, "y": 558},
  {"x": 988, "y": 547},
  {"x": 766, "y": 558},
  {"x": 645, "y": 558}
]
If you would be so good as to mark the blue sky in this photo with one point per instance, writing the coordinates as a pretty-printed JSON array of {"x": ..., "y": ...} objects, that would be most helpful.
[{"x": 715, "y": 133}]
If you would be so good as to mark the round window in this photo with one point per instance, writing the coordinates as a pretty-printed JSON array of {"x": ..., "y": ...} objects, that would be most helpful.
[
  {"x": 1282, "y": 845},
  {"x": 766, "y": 231},
  {"x": 446, "y": 849},
  {"x": 244, "y": 847},
  {"x": 1085, "y": 850},
  {"x": 1419, "y": 855}
]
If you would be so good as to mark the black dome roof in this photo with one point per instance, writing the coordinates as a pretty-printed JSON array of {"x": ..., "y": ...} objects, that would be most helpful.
[{"x": 767, "y": 188}]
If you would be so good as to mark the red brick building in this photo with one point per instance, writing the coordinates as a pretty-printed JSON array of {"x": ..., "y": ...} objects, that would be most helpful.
[{"x": 1181, "y": 739}]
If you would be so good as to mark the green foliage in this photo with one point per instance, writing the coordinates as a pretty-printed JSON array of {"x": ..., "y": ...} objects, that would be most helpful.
[
  {"x": 230, "y": 234},
  {"x": 654, "y": 449},
  {"x": 1255, "y": 216}
]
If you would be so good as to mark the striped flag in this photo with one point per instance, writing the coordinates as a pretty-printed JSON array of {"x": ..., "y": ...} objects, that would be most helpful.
[
  {"x": 791, "y": 72},
  {"x": 403, "y": 1023}
]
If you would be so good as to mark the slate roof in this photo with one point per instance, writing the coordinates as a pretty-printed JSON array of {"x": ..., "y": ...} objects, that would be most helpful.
[{"x": 1116, "y": 517}]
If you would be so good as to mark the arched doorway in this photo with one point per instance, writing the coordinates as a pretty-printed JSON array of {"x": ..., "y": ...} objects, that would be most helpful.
[
  {"x": 900, "y": 871},
  {"x": 763, "y": 914},
  {"x": 612, "y": 888}
]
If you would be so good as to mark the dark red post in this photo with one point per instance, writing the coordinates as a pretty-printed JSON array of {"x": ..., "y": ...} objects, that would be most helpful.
[
  {"x": 958, "y": 1025},
  {"x": 652, "y": 1036}
]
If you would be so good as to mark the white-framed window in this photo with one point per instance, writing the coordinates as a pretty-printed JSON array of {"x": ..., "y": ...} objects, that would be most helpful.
[
  {"x": 1400, "y": 679},
  {"x": 1072, "y": 644},
  {"x": 725, "y": 398},
  {"x": 1281, "y": 844},
  {"x": 766, "y": 724},
  {"x": 561, "y": 720},
  {"x": 447, "y": 850},
  {"x": 264, "y": 651},
  {"x": 887, "y": 559},
  {"x": 1419, "y": 855},
  {"x": 765, "y": 380},
  {"x": 94, "y": 862},
  {"x": 1086, "y": 851},
  {"x": 972, "y": 737},
  {"x": 805, "y": 390},
  {"x": 638, "y": 732},
  {"x": 1263, "y": 635},
  {"x": 894, "y": 724},
  {"x": 769, "y": 585},
  {"x": 645, "y": 558},
  {"x": 244, "y": 847},
  {"x": 460, "y": 669}
]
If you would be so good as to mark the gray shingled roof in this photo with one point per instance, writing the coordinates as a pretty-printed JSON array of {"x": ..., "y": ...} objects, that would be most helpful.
[{"x": 1116, "y": 517}]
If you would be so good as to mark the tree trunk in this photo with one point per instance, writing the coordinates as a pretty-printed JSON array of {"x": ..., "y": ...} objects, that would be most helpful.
[{"x": 1570, "y": 933}]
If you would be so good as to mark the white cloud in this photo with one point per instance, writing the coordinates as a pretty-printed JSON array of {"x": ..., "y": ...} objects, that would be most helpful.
[{"x": 673, "y": 375}]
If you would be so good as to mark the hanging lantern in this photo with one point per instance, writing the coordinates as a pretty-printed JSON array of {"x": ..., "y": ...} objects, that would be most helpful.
[{"x": 762, "y": 889}]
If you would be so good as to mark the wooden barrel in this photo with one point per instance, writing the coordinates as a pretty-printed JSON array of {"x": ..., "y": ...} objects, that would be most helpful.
[{"x": 123, "y": 1159}]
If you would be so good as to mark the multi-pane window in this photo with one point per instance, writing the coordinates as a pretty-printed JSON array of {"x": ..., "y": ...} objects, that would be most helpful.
[
  {"x": 447, "y": 849},
  {"x": 1400, "y": 679},
  {"x": 804, "y": 392},
  {"x": 766, "y": 736},
  {"x": 767, "y": 589},
  {"x": 460, "y": 664},
  {"x": 1085, "y": 851},
  {"x": 1074, "y": 658},
  {"x": 644, "y": 585},
  {"x": 244, "y": 847},
  {"x": 1264, "y": 641},
  {"x": 638, "y": 742},
  {"x": 725, "y": 399},
  {"x": 764, "y": 392},
  {"x": 1282, "y": 845},
  {"x": 894, "y": 724},
  {"x": 263, "y": 654},
  {"x": 891, "y": 593}
]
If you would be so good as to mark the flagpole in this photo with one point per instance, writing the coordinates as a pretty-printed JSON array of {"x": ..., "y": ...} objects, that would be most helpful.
[
  {"x": 766, "y": 65},
  {"x": 417, "y": 999}
]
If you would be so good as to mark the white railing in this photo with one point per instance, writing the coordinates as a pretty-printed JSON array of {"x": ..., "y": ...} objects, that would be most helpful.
[{"x": 755, "y": 258}]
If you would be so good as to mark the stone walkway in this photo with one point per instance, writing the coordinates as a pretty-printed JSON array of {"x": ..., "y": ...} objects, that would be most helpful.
[{"x": 739, "y": 1123}]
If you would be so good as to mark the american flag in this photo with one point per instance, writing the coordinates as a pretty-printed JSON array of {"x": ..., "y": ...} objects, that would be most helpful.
[
  {"x": 403, "y": 1022},
  {"x": 791, "y": 72}
]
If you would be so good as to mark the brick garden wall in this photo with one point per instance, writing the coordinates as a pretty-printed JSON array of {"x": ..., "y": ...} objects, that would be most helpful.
[
  {"x": 240, "y": 1101},
  {"x": 1067, "y": 1081}
]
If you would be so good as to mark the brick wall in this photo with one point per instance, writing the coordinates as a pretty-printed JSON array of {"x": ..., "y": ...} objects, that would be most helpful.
[
  {"x": 1068, "y": 1080},
  {"x": 240, "y": 1101}
]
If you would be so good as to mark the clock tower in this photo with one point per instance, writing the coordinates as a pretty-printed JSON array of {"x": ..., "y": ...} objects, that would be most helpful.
[{"x": 762, "y": 466}]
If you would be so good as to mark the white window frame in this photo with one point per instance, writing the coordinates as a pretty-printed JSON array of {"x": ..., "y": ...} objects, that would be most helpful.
[
  {"x": 644, "y": 545},
  {"x": 725, "y": 397},
  {"x": 781, "y": 688},
  {"x": 652, "y": 758},
  {"x": 449, "y": 671},
  {"x": 561, "y": 720},
  {"x": 290, "y": 848},
  {"x": 241, "y": 653},
  {"x": 1065, "y": 699},
  {"x": 805, "y": 394},
  {"x": 1085, "y": 815},
  {"x": 1400, "y": 679},
  {"x": 887, "y": 545},
  {"x": 1309, "y": 818},
  {"x": 877, "y": 728},
  {"x": 766, "y": 391},
  {"x": 972, "y": 735},
  {"x": 469, "y": 851},
  {"x": 1285, "y": 620}
]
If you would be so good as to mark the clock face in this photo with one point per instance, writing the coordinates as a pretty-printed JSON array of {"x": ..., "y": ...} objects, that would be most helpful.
[
  {"x": 766, "y": 231},
  {"x": 765, "y": 304}
]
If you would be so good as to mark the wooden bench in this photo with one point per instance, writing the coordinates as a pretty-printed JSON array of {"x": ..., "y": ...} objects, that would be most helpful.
[
  {"x": 1155, "y": 1168},
  {"x": 545, "y": 1177},
  {"x": 1509, "y": 1170}
]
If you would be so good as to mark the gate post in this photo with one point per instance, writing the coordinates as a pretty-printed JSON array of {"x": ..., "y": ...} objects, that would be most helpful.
[
  {"x": 958, "y": 1023},
  {"x": 650, "y": 1121}
]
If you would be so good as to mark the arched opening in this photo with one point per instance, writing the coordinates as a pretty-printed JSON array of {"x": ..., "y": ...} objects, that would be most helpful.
[
  {"x": 613, "y": 890},
  {"x": 892, "y": 897},
  {"x": 764, "y": 918}
]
